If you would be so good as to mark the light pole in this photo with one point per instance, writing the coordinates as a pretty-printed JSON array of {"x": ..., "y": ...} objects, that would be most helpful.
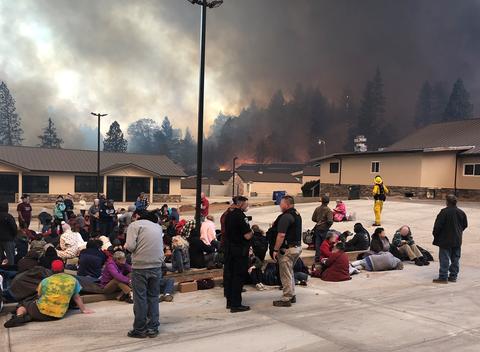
[
  {"x": 98, "y": 115},
  {"x": 233, "y": 175},
  {"x": 203, "y": 29},
  {"x": 320, "y": 142}
]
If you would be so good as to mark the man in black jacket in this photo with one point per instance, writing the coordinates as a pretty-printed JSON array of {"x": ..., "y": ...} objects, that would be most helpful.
[
  {"x": 8, "y": 232},
  {"x": 447, "y": 235}
]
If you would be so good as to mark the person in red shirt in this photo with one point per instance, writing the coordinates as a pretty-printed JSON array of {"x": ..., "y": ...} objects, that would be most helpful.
[
  {"x": 336, "y": 267},
  {"x": 327, "y": 245},
  {"x": 24, "y": 210},
  {"x": 204, "y": 206}
]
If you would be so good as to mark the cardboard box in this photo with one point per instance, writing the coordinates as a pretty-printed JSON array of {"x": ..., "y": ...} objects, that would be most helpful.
[{"x": 188, "y": 286}]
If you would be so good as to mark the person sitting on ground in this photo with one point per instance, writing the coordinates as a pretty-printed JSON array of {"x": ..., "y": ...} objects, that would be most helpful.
[
  {"x": 379, "y": 262},
  {"x": 91, "y": 260},
  {"x": 259, "y": 242},
  {"x": 38, "y": 244},
  {"x": 54, "y": 295},
  {"x": 360, "y": 240},
  {"x": 28, "y": 262},
  {"x": 340, "y": 212},
  {"x": 255, "y": 272},
  {"x": 71, "y": 243},
  {"x": 207, "y": 232},
  {"x": 380, "y": 241},
  {"x": 403, "y": 241},
  {"x": 49, "y": 257},
  {"x": 115, "y": 277},
  {"x": 21, "y": 246},
  {"x": 300, "y": 273},
  {"x": 336, "y": 267},
  {"x": 327, "y": 245},
  {"x": 45, "y": 219},
  {"x": 167, "y": 285},
  {"x": 174, "y": 215},
  {"x": 180, "y": 254},
  {"x": 198, "y": 250}
]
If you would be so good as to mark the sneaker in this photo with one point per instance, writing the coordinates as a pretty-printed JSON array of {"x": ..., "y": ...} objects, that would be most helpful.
[
  {"x": 293, "y": 299},
  {"x": 376, "y": 225},
  {"x": 418, "y": 262},
  {"x": 167, "y": 298},
  {"x": 259, "y": 287},
  {"x": 440, "y": 281},
  {"x": 263, "y": 287},
  {"x": 239, "y": 309},
  {"x": 425, "y": 262},
  {"x": 129, "y": 298},
  {"x": 17, "y": 320},
  {"x": 136, "y": 334},
  {"x": 152, "y": 333},
  {"x": 281, "y": 303},
  {"x": 303, "y": 283},
  {"x": 452, "y": 279}
]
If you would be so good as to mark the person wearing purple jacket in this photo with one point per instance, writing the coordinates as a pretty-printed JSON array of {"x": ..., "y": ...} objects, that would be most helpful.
[{"x": 116, "y": 276}]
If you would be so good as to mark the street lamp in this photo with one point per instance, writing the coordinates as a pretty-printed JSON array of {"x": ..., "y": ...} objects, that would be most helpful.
[
  {"x": 203, "y": 29},
  {"x": 98, "y": 115},
  {"x": 233, "y": 175},
  {"x": 320, "y": 142}
]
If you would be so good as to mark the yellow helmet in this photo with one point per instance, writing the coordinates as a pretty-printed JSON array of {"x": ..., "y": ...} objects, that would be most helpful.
[{"x": 378, "y": 180}]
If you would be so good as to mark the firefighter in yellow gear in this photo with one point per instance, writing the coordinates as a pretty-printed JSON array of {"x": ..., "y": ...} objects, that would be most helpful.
[{"x": 380, "y": 192}]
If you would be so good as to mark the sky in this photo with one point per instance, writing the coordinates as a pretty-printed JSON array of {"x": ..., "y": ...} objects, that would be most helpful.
[{"x": 138, "y": 59}]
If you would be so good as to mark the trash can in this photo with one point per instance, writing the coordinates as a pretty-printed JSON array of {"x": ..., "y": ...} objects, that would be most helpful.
[
  {"x": 277, "y": 196},
  {"x": 354, "y": 192}
]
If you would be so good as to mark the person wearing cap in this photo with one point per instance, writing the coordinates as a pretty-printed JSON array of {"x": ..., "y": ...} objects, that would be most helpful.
[
  {"x": 24, "y": 209},
  {"x": 54, "y": 295},
  {"x": 323, "y": 218}
]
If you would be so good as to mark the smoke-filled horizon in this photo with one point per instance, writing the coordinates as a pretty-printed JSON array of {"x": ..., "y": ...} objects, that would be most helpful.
[{"x": 134, "y": 60}]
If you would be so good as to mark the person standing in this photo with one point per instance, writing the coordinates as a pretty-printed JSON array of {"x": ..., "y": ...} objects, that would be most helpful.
[
  {"x": 237, "y": 245},
  {"x": 145, "y": 242},
  {"x": 107, "y": 219},
  {"x": 24, "y": 209},
  {"x": 323, "y": 217},
  {"x": 204, "y": 207},
  {"x": 69, "y": 206},
  {"x": 447, "y": 235},
  {"x": 59, "y": 211},
  {"x": 94, "y": 213},
  {"x": 288, "y": 248},
  {"x": 8, "y": 232},
  {"x": 379, "y": 192}
]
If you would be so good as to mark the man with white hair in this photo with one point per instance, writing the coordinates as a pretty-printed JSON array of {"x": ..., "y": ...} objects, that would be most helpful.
[{"x": 403, "y": 241}]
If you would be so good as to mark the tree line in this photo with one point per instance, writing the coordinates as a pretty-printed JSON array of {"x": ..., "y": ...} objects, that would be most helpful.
[{"x": 284, "y": 130}]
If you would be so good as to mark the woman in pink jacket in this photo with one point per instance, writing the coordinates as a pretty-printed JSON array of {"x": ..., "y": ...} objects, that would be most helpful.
[{"x": 340, "y": 212}]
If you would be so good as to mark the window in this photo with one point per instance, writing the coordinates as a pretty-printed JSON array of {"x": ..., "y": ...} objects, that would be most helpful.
[
  {"x": 161, "y": 186},
  {"x": 375, "y": 167},
  {"x": 35, "y": 184},
  {"x": 334, "y": 167},
  {"x": 87, "y": 184},
  {"x": 471, "y": 170}
]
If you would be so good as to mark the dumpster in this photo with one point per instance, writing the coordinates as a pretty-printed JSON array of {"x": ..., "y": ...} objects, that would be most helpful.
[
  {"x": 354, "y": 192},
  {"x": 277, "y": 196}
]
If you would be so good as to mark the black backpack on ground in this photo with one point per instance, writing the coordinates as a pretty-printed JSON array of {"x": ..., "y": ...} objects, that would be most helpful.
[{"x": 270, "y": 275}]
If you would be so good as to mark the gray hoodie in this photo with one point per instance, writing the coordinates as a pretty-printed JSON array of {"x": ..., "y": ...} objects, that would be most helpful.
[{"x": 145, "y": 242}]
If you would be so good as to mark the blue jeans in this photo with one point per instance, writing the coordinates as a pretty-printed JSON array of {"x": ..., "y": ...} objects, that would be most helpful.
[
  {"x": 449, "y": 262},
  {"x": 319, "y": 238},
  {"x": 146, "y": 290},
  {"x": 167, "y": 286}
]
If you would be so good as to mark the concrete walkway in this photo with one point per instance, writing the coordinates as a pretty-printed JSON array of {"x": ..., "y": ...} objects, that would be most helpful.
[{"x": 389, "y": 311}]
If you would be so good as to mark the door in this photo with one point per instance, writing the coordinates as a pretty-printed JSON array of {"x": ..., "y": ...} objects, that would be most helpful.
[
  {"x": 115, "y": 188},
  {"x": 8, "y": 188},
  {"x": 135, "y": 186}
]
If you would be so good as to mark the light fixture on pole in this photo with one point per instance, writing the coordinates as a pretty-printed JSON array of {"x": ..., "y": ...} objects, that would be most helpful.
[
  {"x": 203, "y": 29},
  {"x": 98, "y": 115}
]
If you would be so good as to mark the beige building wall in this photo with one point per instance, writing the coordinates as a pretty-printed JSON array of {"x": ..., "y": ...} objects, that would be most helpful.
[
  {"x": 395, "y": 169},
  {"x": 4, "y": 168},
  {"x": 128, "y": 172},
  {"x": 175, "y": 186},
  {"x": 438, "y": 170},
  {"x": 325, "y": 175},
  {"x": 267, "y": 188},
  {"x": 467, "y": 182},
  {"x": 188, "y": 192},
  {"x": 61, "y": 183}
]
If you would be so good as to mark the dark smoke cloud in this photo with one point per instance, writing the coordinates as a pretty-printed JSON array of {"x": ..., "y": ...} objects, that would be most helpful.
[{"x": 136, "y": 59}]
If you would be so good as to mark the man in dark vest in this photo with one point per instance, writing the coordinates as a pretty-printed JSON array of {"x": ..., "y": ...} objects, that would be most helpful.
[
  {"x": 237, "y": 245},
  {"x": 288, "y": 248}
]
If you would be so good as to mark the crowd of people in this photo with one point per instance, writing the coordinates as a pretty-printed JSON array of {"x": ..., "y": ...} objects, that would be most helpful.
[{"x": 127, "y": 252}]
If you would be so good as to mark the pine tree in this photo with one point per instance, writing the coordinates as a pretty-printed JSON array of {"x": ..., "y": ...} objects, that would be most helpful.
[
  {"x": 423, "y": 108},
  {"x": 439, "y": 101},
  {"x": 187, "y": 153},
  {"x": 459, "y": 106},
  {"x": 11, "y": 132},
  {"x": 115, "y": 141},
  {"x": 49, "y": 138}
]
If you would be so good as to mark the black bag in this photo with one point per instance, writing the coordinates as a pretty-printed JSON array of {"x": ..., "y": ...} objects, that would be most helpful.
[
  {"x": 426, "y": 254},
  {"x": 259, "y": 245},
  {"x": 272, "y": 239},
  {"x": 205, "y": 284},
  {"x": 270, "y": 275},
  {"x": 308, "y": 237}
]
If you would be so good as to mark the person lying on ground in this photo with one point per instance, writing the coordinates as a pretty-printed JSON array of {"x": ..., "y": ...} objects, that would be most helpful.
[
  {"x": 379, "y": 262},
  {"x": 54, "y": 295},
  {"x": 336, "y": 267},
  {"x": 403, "y": 241},
  {"x": 115, "y": 277},
  {"x": 360, "y": 240}
]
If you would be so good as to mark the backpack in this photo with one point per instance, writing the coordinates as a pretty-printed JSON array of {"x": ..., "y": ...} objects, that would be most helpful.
[
  {"x": 381, "y": 195},
  {"x": 270, "y": 275},
  {"x": 205, "y": 284},
  {"x": 308, "y": 237},
  {"x": 259, "y": 245}
]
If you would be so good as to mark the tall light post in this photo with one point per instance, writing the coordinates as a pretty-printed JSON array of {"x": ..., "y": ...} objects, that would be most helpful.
[
  {"x": 324, "y": 143},
  {"x": 98, "y": 115},
  {"x": 203, "y": 29},
  {"x": 233, "y": 176}
]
